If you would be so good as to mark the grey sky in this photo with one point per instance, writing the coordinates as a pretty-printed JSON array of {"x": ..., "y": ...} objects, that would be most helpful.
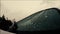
[{"x": 20, "y": 9}]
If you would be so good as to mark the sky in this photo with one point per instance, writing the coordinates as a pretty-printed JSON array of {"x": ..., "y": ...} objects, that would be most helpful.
[{"x": 19, "y": 9}]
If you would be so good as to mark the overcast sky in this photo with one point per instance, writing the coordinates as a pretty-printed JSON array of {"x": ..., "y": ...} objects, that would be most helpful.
[{"x": 20, "y": 9}]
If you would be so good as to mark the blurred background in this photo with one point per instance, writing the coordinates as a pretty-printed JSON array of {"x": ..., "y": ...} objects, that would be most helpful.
[{"x": 19, "y": 9}]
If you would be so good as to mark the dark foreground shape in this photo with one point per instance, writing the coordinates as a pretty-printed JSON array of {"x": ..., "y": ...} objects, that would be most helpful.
[
  {"x": 42, "y": 21},
  {"x": 7, "y": 25},
  {"x": 45, "y": 20}
]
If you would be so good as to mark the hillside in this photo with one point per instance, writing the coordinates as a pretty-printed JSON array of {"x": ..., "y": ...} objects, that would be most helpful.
[{"x": 48, "y": 19}]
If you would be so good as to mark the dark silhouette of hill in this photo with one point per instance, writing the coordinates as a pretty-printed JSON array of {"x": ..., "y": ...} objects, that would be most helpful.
[{"x": 44, "y": 20}]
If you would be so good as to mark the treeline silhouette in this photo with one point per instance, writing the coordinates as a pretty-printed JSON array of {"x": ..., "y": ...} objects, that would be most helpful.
[{"x": 7, "y": 25}]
